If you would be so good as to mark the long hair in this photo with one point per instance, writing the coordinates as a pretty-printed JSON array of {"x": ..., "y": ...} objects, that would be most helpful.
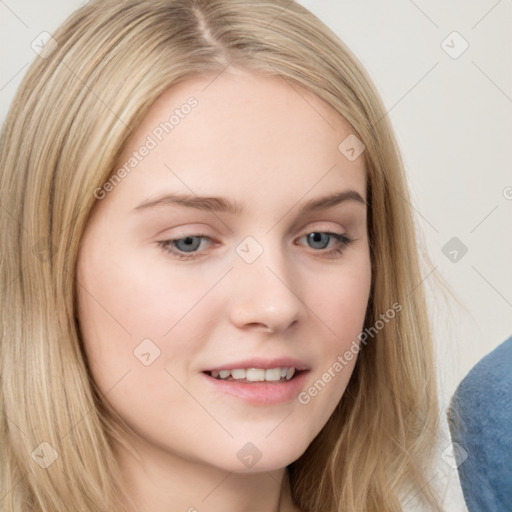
[{"x": 71, "y": 117}]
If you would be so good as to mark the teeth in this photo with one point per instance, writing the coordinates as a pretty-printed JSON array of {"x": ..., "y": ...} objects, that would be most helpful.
[
  {"x": 238, "y": 374},
  {"x": 252, "y": 374},
  {"x": 255, "y": 374},
  {"x": 273, "y": 374}
]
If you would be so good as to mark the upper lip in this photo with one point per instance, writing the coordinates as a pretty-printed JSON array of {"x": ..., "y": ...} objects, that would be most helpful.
[{"x": 257, "y": 362}]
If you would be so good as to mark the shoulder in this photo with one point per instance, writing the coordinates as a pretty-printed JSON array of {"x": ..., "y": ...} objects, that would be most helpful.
[{"x": 480, "y": 420}]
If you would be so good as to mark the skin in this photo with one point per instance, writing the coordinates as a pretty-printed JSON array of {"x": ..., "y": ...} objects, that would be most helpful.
[{"x": 272, "y": 147}]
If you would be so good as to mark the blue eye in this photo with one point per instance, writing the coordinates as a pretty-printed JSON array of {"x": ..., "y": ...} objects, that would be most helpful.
[
  {"x": 188, "y": 244},
  {"x": 181, "y": 247},
  {"x": 318, "y": 237},
  {"x": 187, "y": 247},
  {"x": 323, "y": 238}
]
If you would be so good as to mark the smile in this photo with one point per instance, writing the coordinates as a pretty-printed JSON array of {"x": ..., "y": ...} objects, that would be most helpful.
[{"x": 254, "y": 374}]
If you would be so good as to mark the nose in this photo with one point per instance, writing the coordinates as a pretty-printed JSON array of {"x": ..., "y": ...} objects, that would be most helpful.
[{"x": 266, "y": 294}]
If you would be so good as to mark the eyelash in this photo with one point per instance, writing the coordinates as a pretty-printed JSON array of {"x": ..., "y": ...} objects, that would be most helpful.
[{"x": 342, "y": 242}]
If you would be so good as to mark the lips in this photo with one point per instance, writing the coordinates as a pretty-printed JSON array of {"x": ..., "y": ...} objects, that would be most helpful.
[{"x": 259, "y": 392}]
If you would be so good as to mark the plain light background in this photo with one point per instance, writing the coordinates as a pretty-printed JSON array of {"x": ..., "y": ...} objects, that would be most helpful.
[{"x": 451, "y": 108}]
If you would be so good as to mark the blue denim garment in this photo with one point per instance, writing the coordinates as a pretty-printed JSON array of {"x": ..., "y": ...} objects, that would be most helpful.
[{"x": 480, "y": 419}]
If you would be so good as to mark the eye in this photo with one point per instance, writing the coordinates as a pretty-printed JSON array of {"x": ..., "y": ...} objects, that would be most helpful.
[
  {"x": 186, "y": 248},
  {"x": 188, "y": 244},
  {"x": 320, "y": 240},
  {"x": 179, "y": 247}
]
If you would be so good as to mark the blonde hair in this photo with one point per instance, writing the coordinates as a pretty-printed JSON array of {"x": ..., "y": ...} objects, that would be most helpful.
[{"x": 64, "y": 133}]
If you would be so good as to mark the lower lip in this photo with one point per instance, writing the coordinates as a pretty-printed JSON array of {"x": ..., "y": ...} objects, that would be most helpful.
[{"x": 261, "y": 393}]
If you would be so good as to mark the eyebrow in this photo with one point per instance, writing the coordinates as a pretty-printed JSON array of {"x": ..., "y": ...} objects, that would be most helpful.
[{"x": 221, "y": 204}]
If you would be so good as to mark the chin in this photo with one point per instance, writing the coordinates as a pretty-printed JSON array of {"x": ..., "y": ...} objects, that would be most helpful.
[{"x": 251, "y": 458}]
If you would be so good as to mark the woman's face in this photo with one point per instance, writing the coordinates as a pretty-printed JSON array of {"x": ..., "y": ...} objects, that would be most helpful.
[{"x": 264, "y": 287}]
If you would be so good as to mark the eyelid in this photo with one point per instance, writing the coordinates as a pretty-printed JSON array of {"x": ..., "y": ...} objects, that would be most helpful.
[{"x": 184, "y": 230}]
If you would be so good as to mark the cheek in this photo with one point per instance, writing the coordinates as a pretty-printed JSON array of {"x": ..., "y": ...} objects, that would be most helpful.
[
  {"x": 341, "y": 301},
  {"x": 136, "y": 296},
  {"x": 340, "y": 304},
  {"x": 125, "y": 301},
  {"x": 125, "y": 312}
]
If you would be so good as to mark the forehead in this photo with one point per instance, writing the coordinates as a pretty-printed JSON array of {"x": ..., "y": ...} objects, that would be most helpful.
[{"x": 245, "y": 132}]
